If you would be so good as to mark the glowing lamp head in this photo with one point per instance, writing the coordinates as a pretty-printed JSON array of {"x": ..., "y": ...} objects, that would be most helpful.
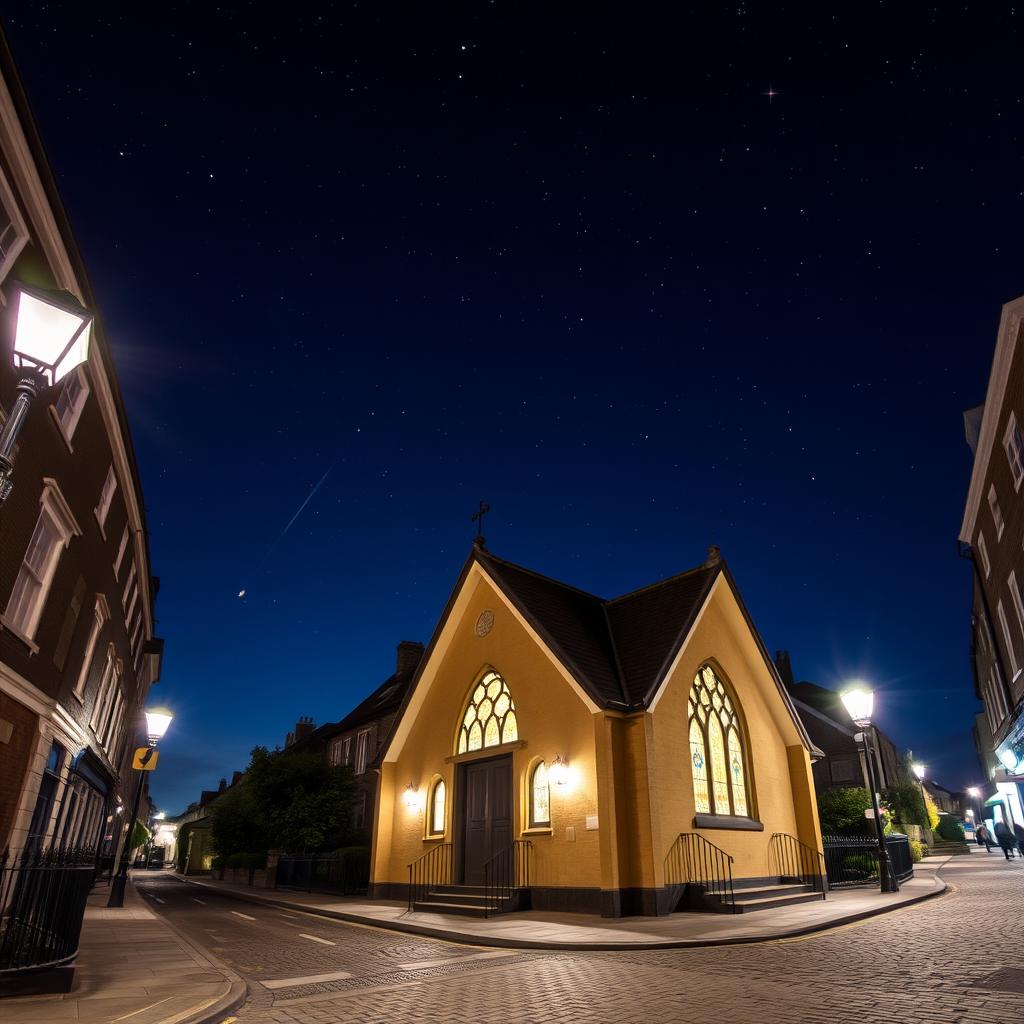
[
  {"x": 52, "y": 332},
  {"x": 559, "y": 771},
  {"x": 918, "y": 769},
  {"x": 859, "y": 702},
  {"x": 159, "y": 816},
  {"x": 157, "y": 722},
  {"x": 411, "y": 797},
  {"x": 970, "y": 813},
  {"x": 1009, "y": 759},
  {"x": 973, "y": 792}
]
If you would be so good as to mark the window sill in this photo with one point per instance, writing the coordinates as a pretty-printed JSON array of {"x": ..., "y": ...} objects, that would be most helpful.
[
  {"x": 539, "y": 830},
  {"x": 33, "y": 647},
  {"x": 728, "y": 821},
  {"x": 439, "y": 838}
]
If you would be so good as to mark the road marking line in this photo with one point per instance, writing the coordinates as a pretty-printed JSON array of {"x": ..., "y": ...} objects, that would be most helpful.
[
  {"x": 422, "y": 965},
  {"x": 323, "y": 997},
  {"x": 310, "y": 979},
  {"x": 135, "y": 1013},
  {"x": 314, "y": 938},
  {"x": 157, "y": 898},
  {"x": 201, "y": 902},
  {"x": 238, "y": 913},
  {"x": 291, "y": 917}
]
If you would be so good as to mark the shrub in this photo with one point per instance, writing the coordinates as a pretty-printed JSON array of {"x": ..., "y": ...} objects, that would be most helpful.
[
  {"x": 916, "y": 850},
  {"x": 842, "y": 811},
  {"x": 949, "y": 828},
  {"x": 907, "y": 804}
]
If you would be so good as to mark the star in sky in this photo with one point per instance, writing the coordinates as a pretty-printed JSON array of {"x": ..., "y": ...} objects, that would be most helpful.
[{"x": 770, "y": 92}]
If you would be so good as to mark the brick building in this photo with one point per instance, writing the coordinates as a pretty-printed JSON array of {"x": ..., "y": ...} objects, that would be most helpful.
[
  {"x": 77, "y": 649},
  {"x": 992, "y": 535}
]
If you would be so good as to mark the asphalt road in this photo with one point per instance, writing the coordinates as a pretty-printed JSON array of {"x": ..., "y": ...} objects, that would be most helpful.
[{"x": 954, "y": 959}]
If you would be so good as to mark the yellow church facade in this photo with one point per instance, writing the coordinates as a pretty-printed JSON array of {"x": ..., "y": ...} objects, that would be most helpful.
[{"x": 564, "y": 752}]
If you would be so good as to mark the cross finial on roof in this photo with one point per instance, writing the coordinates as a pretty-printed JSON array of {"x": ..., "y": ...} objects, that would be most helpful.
[{"x": 478, "y": 518}]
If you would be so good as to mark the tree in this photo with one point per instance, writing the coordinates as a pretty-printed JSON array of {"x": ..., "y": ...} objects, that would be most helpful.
[
  {"x": 842, "y": 810},
  {"x": 291, "y": 801}
]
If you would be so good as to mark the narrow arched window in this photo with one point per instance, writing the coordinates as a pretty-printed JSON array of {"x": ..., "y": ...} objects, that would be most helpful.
[
  {"x": 540, "y": 796},
  {"x": 438, "y": 795},
  {"x": 717, "y": 748},
  {"x": 490, "y": 716}
]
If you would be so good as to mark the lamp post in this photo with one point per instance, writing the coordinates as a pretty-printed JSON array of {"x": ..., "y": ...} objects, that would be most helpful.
[
  {"x": 156, "y": 725},
  {"x": 859, "y": 703},
  {"x": 51, "y": 337},
  {"x": 975, "y": 794},
  {"x": 919, "y": 770}
]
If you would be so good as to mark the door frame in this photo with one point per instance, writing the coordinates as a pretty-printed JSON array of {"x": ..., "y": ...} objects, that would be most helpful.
[{"x": 459, "y": 808}]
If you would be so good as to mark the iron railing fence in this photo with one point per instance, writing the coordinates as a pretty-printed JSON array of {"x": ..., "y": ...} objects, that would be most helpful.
[
  {"x": 42, "y": 904},
  {"x": 346, "y": 873},
  {"x": 693, "y": 860},
  {"x": 788, "y": 857},
  {"x": 505, "y": 873},
  {"x": 434, "y": 868},
  {"x": 852, "y": 861}
]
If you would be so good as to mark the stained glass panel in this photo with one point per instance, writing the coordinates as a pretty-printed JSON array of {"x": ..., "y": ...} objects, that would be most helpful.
[
  {"x": 698, "y": 765},
  {"x": 739, "y": 785},
  {"x": 540, "y": 797},
  {"x": 719, "y": 770},
  {"x": 490, "y": 716},
  {"x": 437, "y": 810}
]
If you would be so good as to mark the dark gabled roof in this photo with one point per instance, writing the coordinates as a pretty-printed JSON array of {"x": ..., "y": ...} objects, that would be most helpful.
[{"x": 617, "y": 650}]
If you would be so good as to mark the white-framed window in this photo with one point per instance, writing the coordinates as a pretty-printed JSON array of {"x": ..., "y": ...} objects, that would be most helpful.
[
  {"x": 841, "y": 769},
  {"x": 121, "y": 549},
  {"x": 128, "y": 586},
  {"x": 1013, "y": 444},
  {"x": 53, "y": 532},
  {"x": 101, "y": 613},
  {"x": 997, "y": 515},
  {"x": 346, "y": 750},
  {"x": 1010, "y": 653},
  {"x": 436, "y": 817},
  {"x": 362, "y": 751},
  {"x": 540, "y": 796},
  {"x": 13, "y": 232},
  {"x": 334, "y": 753},
  {"x": 104, "y": 692},
  {"x": 1018, "y": 605},
  {"x": 983, "y": 551},
  {"x": 70, "y": 402},
  {"x": 131, "y": 608},
  {"x": 106, "y": 497}
]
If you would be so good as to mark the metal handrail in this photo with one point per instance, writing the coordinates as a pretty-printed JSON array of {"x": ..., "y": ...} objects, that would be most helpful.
[
  {"x": 506, "y": 871},
  {"x": 694, "y": 860},
  {"x": 795, "y": 859},
  {"x": 432, "y": 869}
]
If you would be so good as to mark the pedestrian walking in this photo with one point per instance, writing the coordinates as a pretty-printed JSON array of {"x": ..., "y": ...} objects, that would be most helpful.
[
  {"x": 984, "y": 838},
  {"x": 1006, "y": 839},
  {"x": 1018, "y": 831}
]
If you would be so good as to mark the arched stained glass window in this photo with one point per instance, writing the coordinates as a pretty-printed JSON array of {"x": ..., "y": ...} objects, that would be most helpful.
[
  {"x": 437, "y": 800},
  {"x": 490, "y": 716},
  {"x": 540, "y": 796},
  {"x": 717, "y": 761}
]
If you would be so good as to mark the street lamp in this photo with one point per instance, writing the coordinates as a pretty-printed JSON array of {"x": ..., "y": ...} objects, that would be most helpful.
[
  {"x": 157, "y": 722},
  {"x": 51, "y": 337},
  {"x": 919, "y": 769},
  {"x": 859, "y": 702}
]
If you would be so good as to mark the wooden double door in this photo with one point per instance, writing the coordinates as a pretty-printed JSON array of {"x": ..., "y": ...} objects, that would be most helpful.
[{"x": 485, "y": 812}]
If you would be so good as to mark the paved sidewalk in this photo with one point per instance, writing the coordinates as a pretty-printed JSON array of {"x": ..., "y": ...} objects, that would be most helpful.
[
  {"x": 538, "y": 930},
  {"x": 134, "y": 967}
]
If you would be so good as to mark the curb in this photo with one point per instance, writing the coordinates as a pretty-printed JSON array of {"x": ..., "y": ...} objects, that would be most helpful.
[
  {"x": 468, "y": 939},
  {"x": 214, "y": 1011}
]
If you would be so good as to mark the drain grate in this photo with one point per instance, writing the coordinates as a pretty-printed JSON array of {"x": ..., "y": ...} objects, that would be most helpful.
[{"x": 1006, "y": 979}]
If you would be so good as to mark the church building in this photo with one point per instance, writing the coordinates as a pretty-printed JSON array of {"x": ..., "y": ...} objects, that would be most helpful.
[{"x": 559, "y": 751}]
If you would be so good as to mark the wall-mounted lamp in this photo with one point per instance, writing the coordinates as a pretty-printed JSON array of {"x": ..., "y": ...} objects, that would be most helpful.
[
  {"x": 560, "y": 771},
  {"x": 411, "y": 797}
]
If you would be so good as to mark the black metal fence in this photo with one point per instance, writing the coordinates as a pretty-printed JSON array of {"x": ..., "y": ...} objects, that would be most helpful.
[
  {"x": 346, "y": 873},
  {"x": 505, "y": 873},
  {"x": 42, "y": 904},
  {"x": 432, "y": 869},
  {"x": 852, "y": 861}
]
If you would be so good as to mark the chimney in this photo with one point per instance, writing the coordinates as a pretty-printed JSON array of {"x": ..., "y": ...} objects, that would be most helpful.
[
  {"x": 714, "y": 556},
  {"x": 410, "y": 652},
  {"x": 784, "y": 667},
  {"x": 236, "y": 778},
  {"x": 303, "y": 727},
  {"x": 223, "y": 785}
]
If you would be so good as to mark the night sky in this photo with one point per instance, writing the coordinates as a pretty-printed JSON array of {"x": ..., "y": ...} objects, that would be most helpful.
[{"x": 729, "y": 277}]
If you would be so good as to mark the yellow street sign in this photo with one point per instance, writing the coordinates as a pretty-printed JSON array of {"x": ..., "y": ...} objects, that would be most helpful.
[{"x": 145, "y": 759}]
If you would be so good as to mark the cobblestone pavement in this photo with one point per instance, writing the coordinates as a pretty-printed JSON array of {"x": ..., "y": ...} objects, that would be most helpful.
[{"x": 952, "y": 959}]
